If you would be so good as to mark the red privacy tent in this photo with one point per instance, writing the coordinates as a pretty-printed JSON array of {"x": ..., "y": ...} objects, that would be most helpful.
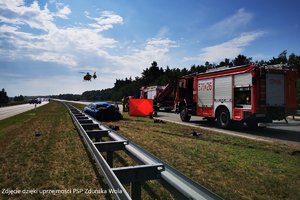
[{"x": 140, "y": 107}]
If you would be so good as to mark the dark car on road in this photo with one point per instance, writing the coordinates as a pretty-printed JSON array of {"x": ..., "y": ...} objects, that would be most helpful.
[
  {"x": 34, "y": 101},
  {"x": 103, "y": 111}
]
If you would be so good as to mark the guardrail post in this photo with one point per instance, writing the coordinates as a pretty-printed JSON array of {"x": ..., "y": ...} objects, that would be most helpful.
[
  {"x": 109, "y": 158},
  {"x": 135, "y": 190}
]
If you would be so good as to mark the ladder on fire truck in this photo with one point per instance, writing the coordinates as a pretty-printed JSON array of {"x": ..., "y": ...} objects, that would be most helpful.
[{"x": 262, "y": 88}]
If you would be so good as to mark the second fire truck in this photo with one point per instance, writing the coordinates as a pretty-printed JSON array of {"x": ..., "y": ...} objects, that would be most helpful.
[
  {"x": 252, "y": 94},
  {"x": 163, "y": 96}
]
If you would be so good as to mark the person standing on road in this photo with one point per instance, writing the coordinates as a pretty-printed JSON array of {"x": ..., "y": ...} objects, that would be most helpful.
[
  {"x": 123, "y": 104},
  {"x": 127, "y": 104}
]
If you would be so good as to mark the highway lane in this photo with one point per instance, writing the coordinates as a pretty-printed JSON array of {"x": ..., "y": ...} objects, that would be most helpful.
[
  {"x": 9, "y": 111},
  {"x": 278, "y": 131}
]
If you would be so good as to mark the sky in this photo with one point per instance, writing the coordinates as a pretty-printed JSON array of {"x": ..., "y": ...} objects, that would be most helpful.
[{"x": 45, "y": 44}]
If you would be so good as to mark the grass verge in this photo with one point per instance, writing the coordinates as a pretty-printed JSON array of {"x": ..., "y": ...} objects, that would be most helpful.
[
  {"x": 56, "y": 160},
  {"x": 232, "y": 167}
]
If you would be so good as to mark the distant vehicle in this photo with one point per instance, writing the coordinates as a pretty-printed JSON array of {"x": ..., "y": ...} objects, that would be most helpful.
[
  {"x": 76, "y": 99},
  {"x": 34, "y": 101},
  {"x": 103, "y": 111},
  {"x": 88, "y": 77}
]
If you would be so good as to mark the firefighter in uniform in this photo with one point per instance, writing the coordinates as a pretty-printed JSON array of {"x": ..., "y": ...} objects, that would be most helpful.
[
  {"x": 123, "y": 104},
  {"x": 127, "y": 104}
]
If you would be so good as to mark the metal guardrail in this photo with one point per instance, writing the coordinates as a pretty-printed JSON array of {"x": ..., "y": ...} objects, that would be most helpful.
[{"x": 149, "y": 168}]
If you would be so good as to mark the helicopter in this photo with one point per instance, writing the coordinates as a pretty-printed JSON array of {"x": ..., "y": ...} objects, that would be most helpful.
[{"x": 88, "y": 77}]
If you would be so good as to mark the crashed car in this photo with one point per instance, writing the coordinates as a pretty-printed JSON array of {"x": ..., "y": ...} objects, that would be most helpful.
[{"x": 103, "y": 111}]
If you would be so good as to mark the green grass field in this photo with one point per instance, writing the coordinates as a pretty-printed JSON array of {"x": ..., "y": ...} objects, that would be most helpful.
[
  {"x": 56, "y": 160},
  {"x": 231, "y": 167}
]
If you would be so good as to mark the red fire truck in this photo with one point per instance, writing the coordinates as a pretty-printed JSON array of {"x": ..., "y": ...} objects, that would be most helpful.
[
  {"x": 163, "y": 96},
  {"x": 252, "y": 94}
]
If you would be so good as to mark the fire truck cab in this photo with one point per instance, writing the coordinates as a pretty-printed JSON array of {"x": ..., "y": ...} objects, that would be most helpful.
[{"x": 252, "y": 94}]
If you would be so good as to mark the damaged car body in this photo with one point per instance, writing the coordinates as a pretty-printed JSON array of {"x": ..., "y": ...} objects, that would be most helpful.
[{"x": 103, "y": 111}]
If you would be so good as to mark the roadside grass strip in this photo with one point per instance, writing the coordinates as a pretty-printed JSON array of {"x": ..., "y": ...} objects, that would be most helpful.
[
  {"x": 56, "y": 164},
  {"x": 232, "y": 167}
]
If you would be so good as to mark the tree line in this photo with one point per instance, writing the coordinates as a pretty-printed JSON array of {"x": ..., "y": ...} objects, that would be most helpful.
[{"x": 4, "y": 98}]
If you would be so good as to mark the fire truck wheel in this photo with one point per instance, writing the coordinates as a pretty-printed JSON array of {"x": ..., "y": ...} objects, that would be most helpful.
[
  {"x": 184, "y": 114},
  {"x": 223, "y": 119}
]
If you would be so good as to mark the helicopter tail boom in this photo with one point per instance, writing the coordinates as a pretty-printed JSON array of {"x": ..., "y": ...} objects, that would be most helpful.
[{"x": 94, "y": 76}]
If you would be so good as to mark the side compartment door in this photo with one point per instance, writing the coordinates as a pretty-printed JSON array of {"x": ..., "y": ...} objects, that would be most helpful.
[
  {"x": 223, "y": 93},
  {"x": 242, "y": 95},
  {"x": 205, "y": 97},
  {"x": 275, "y": 90}
]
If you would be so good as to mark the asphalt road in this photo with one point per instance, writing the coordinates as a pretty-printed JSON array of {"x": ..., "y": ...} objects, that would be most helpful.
[
  {"x": 9, "y": 111},
  {"x": 277, "y": 131}
]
